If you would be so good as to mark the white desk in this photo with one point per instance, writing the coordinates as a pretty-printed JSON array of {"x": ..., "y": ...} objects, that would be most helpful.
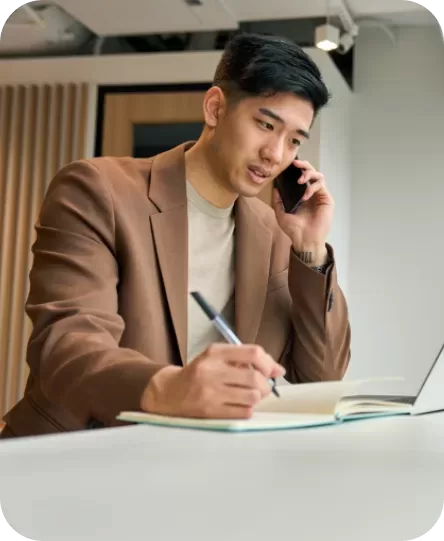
[{"x": 373, "y": 480}]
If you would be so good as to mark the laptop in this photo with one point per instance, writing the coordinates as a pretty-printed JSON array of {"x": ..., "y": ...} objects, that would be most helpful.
[{"x": 430, "y": 397}]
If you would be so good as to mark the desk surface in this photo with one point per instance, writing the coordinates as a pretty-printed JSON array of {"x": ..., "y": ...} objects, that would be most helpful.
[{"x": 375, "y": 479}]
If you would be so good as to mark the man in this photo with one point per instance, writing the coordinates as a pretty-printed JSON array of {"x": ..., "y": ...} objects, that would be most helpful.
[{"x": 121, "y": 243}]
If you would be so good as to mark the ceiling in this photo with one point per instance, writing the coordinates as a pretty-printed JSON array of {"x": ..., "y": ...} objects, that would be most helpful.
[
  {"x": 116, "y": 17},
  {"x": 61, "y": 26}
]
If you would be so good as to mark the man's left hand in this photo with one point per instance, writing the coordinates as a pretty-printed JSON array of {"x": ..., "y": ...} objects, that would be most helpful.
[{"x": 310, "y": 224}]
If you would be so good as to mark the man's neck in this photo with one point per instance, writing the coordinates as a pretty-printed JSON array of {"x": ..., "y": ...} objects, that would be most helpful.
[{"x": 203, "y": 179}]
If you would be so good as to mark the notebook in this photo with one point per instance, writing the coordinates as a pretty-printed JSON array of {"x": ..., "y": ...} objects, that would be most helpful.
[{"x": 316, "y": 404}]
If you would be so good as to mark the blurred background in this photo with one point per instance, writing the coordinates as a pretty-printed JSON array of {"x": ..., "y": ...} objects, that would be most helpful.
[{"x": 82, "y": 78}]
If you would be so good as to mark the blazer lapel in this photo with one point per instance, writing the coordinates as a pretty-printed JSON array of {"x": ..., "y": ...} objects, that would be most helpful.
[
  {"x": 253, "y": 251},
  {"x": 170, "y": 230},
  {"x": 167, "y": 191}
]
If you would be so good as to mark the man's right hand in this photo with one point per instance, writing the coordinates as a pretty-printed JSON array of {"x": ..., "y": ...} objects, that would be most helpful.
[{"x": 218, "y": 384}]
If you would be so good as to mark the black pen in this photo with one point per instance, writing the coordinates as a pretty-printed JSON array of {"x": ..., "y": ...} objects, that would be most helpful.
[{"x": 222, "y": 326}]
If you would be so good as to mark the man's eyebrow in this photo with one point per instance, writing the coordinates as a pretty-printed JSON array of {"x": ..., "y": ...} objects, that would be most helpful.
[{"x": 276, "y": 117}]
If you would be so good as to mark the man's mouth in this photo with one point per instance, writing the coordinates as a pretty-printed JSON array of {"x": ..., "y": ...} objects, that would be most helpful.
[{"x": 258, "y": 174}]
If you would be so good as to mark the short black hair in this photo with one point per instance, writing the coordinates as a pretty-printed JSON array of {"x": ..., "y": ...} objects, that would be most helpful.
[{"x": 260, "y": 65}]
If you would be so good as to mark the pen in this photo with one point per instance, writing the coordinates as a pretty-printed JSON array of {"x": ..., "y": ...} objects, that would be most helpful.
[{"x": 222, "y": 326}]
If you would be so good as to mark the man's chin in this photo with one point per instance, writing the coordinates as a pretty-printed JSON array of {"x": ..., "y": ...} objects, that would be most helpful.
[{"x": 251, "y": 190}]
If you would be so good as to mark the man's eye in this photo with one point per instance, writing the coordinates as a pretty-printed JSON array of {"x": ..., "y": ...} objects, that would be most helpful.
[
  {"x": 295, "y": 142},
  {"x": 266, "y": 125}
]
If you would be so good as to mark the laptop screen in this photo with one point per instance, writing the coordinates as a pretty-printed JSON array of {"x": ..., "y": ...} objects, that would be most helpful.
[{"x": 431, "y": 394}]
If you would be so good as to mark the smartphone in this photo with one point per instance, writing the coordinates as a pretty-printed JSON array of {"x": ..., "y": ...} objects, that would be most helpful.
[{"x": 290, "y": 191}]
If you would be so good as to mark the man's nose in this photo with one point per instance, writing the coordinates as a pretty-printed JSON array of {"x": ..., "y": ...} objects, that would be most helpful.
[{"x": 273, "y": 152}]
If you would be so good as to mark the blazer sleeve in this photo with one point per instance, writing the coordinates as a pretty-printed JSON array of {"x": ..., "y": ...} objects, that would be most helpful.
[
  {"x": 74, "y": 345},
  {"x": 319, "y": 348}
]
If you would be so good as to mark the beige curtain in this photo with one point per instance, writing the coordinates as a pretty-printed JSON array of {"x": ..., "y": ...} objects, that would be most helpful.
[{"x": 41, "y": 129}]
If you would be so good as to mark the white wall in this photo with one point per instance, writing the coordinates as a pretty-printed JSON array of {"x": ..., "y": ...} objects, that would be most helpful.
[
  {"x": 335, "y": 163},
  {"x": 397, "y": 255}
]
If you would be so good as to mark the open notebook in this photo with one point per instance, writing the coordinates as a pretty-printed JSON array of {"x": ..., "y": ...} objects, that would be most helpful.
[{"x": 315, "y": 404}]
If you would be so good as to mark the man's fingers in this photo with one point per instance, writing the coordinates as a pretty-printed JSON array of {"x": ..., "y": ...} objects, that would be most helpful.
[
  {"x": 311, "y": 177},
  {"x": 233, "y": 411},
  {"x": 249, "y": 355},
  {"x": 303, "y": 164},
  {"x": 256, "y": 357},
  {"x": 278, "y": 205},
  {"x": 240, "y": 396},
  {"x": 310, "y": 191},
  {"x": 248, "y": 379},
  {"x": 314, "y": 184}
]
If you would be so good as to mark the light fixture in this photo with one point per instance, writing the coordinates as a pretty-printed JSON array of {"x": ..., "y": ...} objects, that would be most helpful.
[{"x": 327, "y": 37}]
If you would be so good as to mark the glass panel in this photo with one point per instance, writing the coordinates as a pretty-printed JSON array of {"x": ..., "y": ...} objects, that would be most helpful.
[{"x": 151, "y": 139}]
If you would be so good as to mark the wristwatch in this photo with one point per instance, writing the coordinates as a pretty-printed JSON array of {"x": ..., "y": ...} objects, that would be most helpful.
[{"x": 322, "y": 269}]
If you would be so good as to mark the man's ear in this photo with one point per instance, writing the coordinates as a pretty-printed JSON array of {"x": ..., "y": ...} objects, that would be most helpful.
[{"x": 214, "y": 105}]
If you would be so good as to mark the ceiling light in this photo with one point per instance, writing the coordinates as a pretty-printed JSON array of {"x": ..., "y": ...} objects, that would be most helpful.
[{"x": 327, "y": 37}]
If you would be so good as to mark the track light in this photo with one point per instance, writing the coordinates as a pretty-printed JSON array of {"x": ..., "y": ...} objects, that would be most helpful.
[{"x": 327, "y": 37}]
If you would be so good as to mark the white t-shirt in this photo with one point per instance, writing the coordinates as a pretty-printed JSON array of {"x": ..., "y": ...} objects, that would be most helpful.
[{"x": 211, "y": 259}]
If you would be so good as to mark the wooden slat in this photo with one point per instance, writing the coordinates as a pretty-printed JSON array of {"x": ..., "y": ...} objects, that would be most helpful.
[
  {"x": 42, "y": 128},
  {"x": 6, "y": 101},
  {"x": 18, "y": 288},
  {"x": 36, "y": 190},
  {"x": 69, "y": 120},
  {"x": 83, "y": 117},
  {"x": 9, "y": 229}
]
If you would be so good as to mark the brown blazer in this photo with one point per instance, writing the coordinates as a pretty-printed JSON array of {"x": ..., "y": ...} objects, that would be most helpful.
[{"x": 108, "y": 293}]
